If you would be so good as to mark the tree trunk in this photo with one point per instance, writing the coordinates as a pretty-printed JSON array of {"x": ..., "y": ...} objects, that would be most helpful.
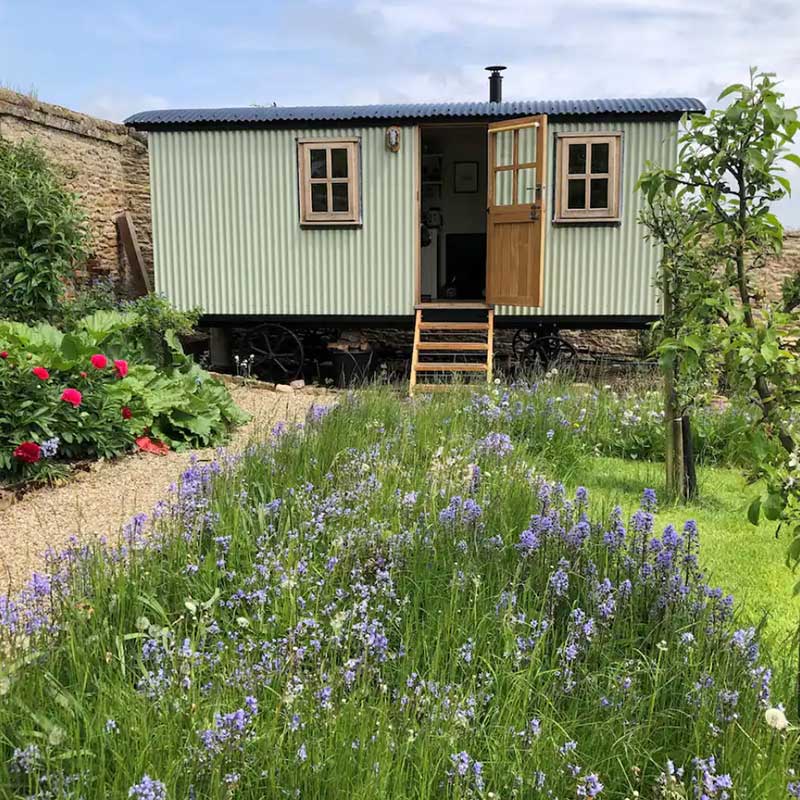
[
  {"x": 674, "y": 478},
  {"x": 689, "y": 470}
]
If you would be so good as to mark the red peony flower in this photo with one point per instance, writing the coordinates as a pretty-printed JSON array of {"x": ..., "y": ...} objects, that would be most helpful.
[
  {"x": 4, "y": 354},
  {"x": 122, "y": 367},
  {"x": 84, "y": 375},
  {"x": 72, "y": 396},
  {"x": 41, "y": 373},
  {"x": 29, "y": 452},
  {"x": 126, "y": 412},
  {"x": 99, "y": 361}
]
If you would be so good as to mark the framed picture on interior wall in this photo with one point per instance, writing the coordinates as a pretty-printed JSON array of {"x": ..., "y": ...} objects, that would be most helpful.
[{"x": 465, "y": 177}]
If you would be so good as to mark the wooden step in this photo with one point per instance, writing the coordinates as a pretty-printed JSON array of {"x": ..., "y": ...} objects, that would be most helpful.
[
  {"x": 454, "y": 326},
  {"x": 455, "y": 306},
  {"x": 449, "y": 366},
  {"x": 450, "y": 344},
  {"x": 434, "y": 387},
  {"x": 459, "y": 346}
]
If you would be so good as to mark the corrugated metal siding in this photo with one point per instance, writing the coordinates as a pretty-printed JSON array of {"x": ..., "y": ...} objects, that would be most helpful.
[
  {"x": 602, "y": 270},
  {"x": 226, "y": 235}
]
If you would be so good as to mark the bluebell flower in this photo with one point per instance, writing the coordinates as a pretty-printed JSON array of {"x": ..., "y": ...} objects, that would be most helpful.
[{"x": 148, "y": 789}]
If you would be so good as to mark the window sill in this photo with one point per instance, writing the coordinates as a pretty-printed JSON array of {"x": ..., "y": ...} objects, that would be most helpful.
[
  {"x": 585, "y": 221},
  {"x": 332, "y": 224}
]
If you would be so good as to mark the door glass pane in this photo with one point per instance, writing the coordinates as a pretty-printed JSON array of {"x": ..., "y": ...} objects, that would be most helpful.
[
  {"x": 503, "y": 148},
  {"x": 339, "y": 163},
  {"x": 577, "y": 159},
  {"x": 319, "y": 167},
  {"x": 526, "y": 186},
  {"x": 598, "y": 193},
  {"x": 319, "y": 196},
  {"x": 576, "y": 194},
  {"x": 600, "y": 157},
  {"x": 504, "y": 187},
  {"x": 339, "y": 192},
  {"x": 527, "y": 145}
]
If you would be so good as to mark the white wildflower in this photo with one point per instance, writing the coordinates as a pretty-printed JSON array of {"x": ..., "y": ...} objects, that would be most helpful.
[{"x": 776, "y": 719}]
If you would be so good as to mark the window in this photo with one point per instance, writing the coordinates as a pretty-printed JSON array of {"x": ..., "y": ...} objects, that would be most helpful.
[
  {"x": 329, "y": 181},
  {"x": 587, "y": 187}
]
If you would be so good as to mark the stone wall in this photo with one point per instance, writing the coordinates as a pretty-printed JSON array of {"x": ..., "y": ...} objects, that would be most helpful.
[
  {"x": 771, "y": 276},
  {"x": 106, "y": 164}
]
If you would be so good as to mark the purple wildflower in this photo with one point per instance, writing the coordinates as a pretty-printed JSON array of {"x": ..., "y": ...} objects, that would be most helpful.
[
  {"x": 589, "y": 786},
  {"x": 148, "y": 789}
]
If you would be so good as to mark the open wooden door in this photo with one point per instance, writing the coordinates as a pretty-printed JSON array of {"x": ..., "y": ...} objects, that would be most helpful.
[{"x": 516, "y": 222}]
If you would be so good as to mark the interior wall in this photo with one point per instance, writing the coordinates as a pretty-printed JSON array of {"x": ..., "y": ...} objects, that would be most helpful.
[{"x": 463, "y": 212}]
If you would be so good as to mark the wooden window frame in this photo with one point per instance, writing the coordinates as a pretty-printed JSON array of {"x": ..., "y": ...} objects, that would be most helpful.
[
  {"x": 612, "y": 213},
  {"x": 514, "y": 167},
  {"x": 310, "y": 218}
]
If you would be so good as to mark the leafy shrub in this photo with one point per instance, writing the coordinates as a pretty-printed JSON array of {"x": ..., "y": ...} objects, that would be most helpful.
[
  {"x": 390, "y": 604},
  {"x": 156, "y": 321},
  {"x": 121, "y": 395},
  {"x": 43, "y": 234},
  {"x": 96, "y": 294},
  {"x": 146, "y": 320}
]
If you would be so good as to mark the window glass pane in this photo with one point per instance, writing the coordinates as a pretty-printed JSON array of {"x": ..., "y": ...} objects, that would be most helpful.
[
  {"x": 600, "y": 157},
  {"x": 576, "y": 194},
  {"x": 527, "y": 145},
  {"x": 339, "y": 192},
  {"x": 503, "y": 148},
  {"x": 504, "y": 188},
  {"x": 526, "y": 186},
  {"x": 319, "y": 196},
  {"x": 598, "y": 193},
  {"x": 339, "y": 163},
  {"x": 319, "y": 167},
  {"x": 577, "y": 159}
]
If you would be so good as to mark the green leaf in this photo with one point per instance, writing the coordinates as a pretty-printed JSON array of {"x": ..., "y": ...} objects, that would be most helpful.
[
  {"x": 793, "y": 553},
  {"x": 72, "y": 348},
  {"x": 794, "y": 158},
  {"x": 754, "y": 511},
  {"x": 734, "y": 87},
  {"x": 694, "y": 342},
  {"x": 770, "y": 351},
  {"x": 773, "y": 506}
]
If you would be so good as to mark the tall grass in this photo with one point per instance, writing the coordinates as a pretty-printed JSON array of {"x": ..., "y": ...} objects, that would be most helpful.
[{"x": 391, "y": 603}]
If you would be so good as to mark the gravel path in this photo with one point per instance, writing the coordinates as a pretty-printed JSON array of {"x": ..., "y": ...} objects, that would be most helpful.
[{"x": 98, "y": 502}]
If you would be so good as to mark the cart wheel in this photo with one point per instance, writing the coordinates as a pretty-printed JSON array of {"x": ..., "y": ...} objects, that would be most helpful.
[
  {"x": 551, "y": 352},
  {"x": 521, "y": 342},
  {"x": 278, "y": 352}
]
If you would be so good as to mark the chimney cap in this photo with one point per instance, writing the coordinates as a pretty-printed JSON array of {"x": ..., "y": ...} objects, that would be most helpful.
[{"x": 496, "y": 68}]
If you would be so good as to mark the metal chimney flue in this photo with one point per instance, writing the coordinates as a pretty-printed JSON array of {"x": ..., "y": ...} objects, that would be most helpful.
[{"x": 495, "y": 84}]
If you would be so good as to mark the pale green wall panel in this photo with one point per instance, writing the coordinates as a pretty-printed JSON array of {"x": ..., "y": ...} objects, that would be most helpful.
[
  {"x": 602, "y": 270},
  {"x": 226, "y": 233}
]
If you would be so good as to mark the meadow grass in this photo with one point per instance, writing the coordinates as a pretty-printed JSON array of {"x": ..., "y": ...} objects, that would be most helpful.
[{"x": 403, "y": 601}]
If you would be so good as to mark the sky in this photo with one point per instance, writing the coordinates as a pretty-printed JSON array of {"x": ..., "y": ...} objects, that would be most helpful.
[{"x": 115, "y": 57}]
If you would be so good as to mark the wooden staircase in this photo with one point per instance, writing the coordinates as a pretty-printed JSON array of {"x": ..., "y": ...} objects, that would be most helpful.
[{"x": 451, "y": 339}]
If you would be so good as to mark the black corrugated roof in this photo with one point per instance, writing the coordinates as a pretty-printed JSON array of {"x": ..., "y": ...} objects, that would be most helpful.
[{"x": 264, "y": 115}]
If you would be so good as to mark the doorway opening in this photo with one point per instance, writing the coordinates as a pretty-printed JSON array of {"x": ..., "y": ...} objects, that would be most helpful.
[{"x": 452, "y": 200}]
